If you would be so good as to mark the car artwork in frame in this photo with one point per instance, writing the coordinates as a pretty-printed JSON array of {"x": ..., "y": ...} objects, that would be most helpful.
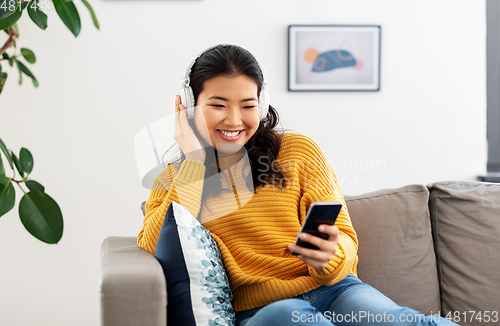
[{"x": 334, "y": 57}]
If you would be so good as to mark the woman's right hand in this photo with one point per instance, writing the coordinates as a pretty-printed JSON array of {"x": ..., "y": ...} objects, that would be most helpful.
[{"x": 185, "y": 136}]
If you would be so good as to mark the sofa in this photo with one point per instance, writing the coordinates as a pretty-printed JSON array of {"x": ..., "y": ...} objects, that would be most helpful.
[{"x": 434, "y": 248}]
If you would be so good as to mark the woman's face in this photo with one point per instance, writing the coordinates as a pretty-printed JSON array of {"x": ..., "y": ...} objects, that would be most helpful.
[{"x": 227, "y": 104}]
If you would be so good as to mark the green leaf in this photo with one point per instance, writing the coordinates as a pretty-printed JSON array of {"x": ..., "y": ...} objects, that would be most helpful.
[
  {"x": 9, "y": 17},
  {"x": 3, "y": 78},
  {"x": 6, "y": 10},
  {"x": 35, "y": 187},
  {"x": 6, "y": 153},
  {"x": 69, "y": 15},
  {"x": 3, "y": 178},
  {"x": 17, "y": 163},
  {"x": 42, "y": 217},
  {"x": 26, "y": 160},
  {"x": 92, "y": 13},
  {"x": 6, "y": 56},
  {"x": 25, "y": 70},
  {"x": 20, "y": 72},
  {"x": 28, "y": 55},
  {"x": 7, "y": 197},
  {"x": 37, "y": 15},
  {"x": 35, "y": 82}
]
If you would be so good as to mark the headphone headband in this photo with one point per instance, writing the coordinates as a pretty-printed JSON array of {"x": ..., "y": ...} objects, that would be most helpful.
[{"x": 186, "y": 80}]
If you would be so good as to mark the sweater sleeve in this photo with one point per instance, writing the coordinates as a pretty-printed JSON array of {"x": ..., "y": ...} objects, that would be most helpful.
[
  {"x": 183, "y": 185},
  {"x": 319, "y": 183}
]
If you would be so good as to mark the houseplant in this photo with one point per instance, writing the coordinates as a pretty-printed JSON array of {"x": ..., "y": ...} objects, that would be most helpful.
[
  {"x": 39, "y": 213},
  {"x": 12, "y": 10}
]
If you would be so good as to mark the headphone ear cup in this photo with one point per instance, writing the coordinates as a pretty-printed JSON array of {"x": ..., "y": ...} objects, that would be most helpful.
[
  {"x": 263, "y": 103},
  {"x": 187, "y": 99}
]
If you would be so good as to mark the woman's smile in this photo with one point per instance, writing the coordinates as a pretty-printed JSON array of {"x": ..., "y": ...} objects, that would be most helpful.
[{"x": 230, "y": 135}]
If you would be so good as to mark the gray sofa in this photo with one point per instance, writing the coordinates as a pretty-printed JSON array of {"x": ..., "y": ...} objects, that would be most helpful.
[{"x": 434, "y": 248}]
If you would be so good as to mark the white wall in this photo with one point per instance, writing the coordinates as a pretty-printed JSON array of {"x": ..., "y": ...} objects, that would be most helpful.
[{"x": 428, "y": 122}]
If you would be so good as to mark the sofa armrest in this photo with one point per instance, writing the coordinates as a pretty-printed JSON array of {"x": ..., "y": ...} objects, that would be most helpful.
[{"x": 132, "y": 285}]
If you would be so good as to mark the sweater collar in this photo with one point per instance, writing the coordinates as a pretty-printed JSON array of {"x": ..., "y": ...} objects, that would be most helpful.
[{"x": 227, "y": 161}]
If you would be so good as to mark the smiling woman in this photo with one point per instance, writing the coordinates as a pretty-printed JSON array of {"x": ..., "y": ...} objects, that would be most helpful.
[
  {"x": 228, "y": 93},
  {"x": 251, "y": 187}
]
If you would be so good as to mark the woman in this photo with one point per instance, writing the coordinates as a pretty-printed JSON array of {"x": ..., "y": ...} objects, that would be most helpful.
[{"x": 251, "y": 187}]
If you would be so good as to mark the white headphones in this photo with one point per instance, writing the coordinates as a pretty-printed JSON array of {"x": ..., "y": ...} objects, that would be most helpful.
[{"x": 187, "y": 95}]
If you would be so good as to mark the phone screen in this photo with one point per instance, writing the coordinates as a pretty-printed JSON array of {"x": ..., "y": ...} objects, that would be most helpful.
[{"x": 319, "y": 213}]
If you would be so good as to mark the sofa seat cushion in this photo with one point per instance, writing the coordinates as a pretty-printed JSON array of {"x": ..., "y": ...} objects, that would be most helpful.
[
  {"x": 465, "y": 218},
  {"x": 396, "y": 254}
]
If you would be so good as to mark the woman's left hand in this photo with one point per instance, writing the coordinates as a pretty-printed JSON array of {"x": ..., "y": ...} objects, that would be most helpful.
[{"x": 327, "y": 248}]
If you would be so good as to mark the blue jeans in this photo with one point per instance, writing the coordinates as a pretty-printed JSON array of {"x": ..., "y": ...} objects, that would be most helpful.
[{"x": 348, "y": 302}]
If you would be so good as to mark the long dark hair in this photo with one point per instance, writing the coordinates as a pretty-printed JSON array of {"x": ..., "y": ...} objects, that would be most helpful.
[{"x": 263, "y": 147}]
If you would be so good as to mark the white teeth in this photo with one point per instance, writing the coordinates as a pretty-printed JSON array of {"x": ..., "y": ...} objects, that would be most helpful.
[{"x": 230, "y": 134}]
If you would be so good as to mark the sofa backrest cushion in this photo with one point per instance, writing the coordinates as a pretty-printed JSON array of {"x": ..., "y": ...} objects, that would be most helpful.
[
  {"x": 465, "y": 218},
  {"x": 396, "y": 254}
]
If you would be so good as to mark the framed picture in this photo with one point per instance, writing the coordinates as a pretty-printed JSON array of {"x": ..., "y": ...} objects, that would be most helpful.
[{"x": 334, "y": 57}]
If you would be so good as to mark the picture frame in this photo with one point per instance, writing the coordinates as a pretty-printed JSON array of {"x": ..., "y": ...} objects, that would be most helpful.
[{"x": 334, "y": 57}]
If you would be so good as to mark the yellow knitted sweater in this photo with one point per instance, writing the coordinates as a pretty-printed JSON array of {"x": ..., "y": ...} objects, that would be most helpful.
[{"x": 253, "y": 231}]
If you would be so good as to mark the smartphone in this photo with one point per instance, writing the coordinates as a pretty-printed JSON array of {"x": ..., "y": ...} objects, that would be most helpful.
[{"x": 320, "y": 212}]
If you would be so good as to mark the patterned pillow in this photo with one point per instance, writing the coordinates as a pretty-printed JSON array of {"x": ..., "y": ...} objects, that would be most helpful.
[{"x": 197, "y": 285}]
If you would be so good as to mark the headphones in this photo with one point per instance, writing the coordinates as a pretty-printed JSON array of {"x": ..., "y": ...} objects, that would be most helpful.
[{"x": 187, "y": 95}]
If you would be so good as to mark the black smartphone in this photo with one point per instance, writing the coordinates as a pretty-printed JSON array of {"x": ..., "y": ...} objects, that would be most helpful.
[{"x": 320, "y": 212}]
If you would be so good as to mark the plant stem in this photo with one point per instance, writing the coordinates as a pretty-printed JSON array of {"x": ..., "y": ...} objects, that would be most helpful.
[
  {"x": 19, "y": 185},
  {"x": 12, "y": 57},
  {"x": 19, "y": 181},
  {"x": 10, "y": 41}
]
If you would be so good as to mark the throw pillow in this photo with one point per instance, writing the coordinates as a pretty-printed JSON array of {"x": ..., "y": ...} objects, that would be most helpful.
[{"x": 198, "y": 291}]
